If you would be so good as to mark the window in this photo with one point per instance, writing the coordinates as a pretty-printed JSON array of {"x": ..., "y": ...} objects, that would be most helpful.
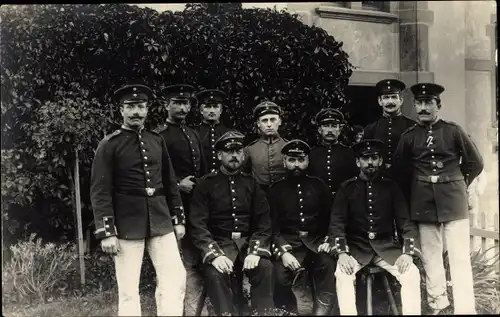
[{"x": 376, "y": 5}]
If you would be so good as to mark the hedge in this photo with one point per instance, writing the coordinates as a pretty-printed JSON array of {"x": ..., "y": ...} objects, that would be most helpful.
[{"x": 61, "y": 63}]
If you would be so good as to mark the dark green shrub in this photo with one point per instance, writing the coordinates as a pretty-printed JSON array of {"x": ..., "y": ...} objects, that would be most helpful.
[{"x": 61, "y": 63}]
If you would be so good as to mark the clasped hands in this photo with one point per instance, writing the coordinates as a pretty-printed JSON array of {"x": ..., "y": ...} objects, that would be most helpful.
[{"x": 224, "y": 265}]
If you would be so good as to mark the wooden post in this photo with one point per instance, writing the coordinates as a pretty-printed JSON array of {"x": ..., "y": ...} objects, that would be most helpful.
[{"x": 79, "y": 220}]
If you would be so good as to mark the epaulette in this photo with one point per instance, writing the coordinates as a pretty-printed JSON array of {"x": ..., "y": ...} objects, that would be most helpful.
[
  {"x": 209, "y": 175},
  {"x": 348, "y": 181},
  {"x": 408, "y": 130},
  {"x": 161, "y": 128},
  {"x": 253, "y": 142},
  {"x": 112, "y": 135},
  {"x": 277, "y": 181},
  {"x": 450, "y": 122},
  {"x": 246, "y": 174}
]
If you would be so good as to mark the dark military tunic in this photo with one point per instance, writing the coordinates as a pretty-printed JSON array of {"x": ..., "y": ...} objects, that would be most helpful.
[
  {"x": 223, "y": 205},
  {"x": 367, "y": 214},
  {"x": 388, "y": 130},
  {"x": 125, "y": 164},
  {"x": 185, "y": 148},
  {"x": 301, "y": 212},
  {"x": 300, "y": 208},
  {"x": 230, "y": 216},
  {"x": 333, "y": 164},
  {"x": 208, "y": 135},
  {"x": 442, "y": 161},
  {"x": 265, "y": 160}
]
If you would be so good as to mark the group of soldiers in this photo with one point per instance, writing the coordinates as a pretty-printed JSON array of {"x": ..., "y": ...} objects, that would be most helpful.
[{"x": 208, "y": 208}]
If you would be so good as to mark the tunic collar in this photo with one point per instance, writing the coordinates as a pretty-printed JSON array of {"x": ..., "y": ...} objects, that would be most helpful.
[{"x": 270, "y": 140}]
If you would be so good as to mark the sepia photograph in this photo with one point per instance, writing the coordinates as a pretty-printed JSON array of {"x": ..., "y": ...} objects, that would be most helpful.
[{"x": 250, "y": 159}]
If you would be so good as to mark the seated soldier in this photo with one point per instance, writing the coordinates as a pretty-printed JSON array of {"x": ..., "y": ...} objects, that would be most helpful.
[
  {"x": 362, "y": 221},
  {"x": 300, "y": 208},
  {"x": 231, "y": 225}
]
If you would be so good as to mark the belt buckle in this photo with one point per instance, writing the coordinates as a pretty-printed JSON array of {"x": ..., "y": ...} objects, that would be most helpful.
[
  {"x": 150, "y": 191},
  {"x": 235, "y": 235},
  {"x": 371, "y": 235},
  {"x": 434, "y": 178},
  {"x": 303, "y": 234}
]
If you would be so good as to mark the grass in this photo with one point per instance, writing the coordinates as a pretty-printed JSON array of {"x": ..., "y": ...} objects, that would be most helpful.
[{"x": 99, "y": 297}]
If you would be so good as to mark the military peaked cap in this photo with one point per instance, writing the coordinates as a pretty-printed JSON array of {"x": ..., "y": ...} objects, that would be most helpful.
[
  {"x": 327, "y": 115},
  {"x": 231, "y": 140},
  {"x": 210, "y": 96},
  {"x": 133, "y": 93},
  {"x": 390, "y": 86},
  {"x": 181, "y": 91},
  {"x": 296, "y": 148},
  {"x": 369, "y": 147},
  {"x": 266, "y": 107},
  {"x": 426, "y": 90}
]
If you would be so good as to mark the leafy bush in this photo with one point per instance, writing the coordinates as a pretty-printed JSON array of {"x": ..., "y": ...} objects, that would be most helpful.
[
  {"x": 61, "y": 63},
  {"x": 36, "y": 269}
]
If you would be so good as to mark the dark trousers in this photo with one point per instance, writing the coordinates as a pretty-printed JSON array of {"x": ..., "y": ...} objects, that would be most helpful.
[
  {"x": 321, "y": 268},
  {"x": 221, "y": 291}
]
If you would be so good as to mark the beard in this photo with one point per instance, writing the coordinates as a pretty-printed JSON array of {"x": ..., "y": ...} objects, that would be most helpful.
[
  {"x": 295, "y": 172},
  {"x": 232, "y": 165}
]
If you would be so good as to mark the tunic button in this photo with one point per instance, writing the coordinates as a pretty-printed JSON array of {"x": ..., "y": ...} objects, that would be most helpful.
[
  {"x": 301, "y": 214},
  {"x": 234, "y": 199},
  {"x": 433, "y": 163},
  {"x": 236, "y": 227},
  {"x": 300, "y": 200},
  {"x": 142, "y": 143},
  {"x": 145, "y": 165},
  {"x": 369, "y": 200},
  {"x": 298, "y": 185},
  {"x": 149, "y": 180},
  {"x": 232, "y": 190},
  {"x": 233, "y": 215},
  {"x": 327, "y": 162},
  {"x": 234, "y": 207},
  {"x": 371, "y": 220},
  {"x": 145, "y": 157},
  {"x": 301, "y": 206},
  {"x": 235, "y": 219},
  {"x": 371, "y": 214},
  {"x": 147, "y": 172},
  {"x": 434, "y": 170},
  {"x": 302, "y": 219},
  {"x": 193, "y": 150},
  {"x": 433, "y": 156},
  {"x": 432, "y": 150},
  {"x": 370, "y": 207},
  {"x": 328, "y": 157},
  {"x": 300, "y": 192},
  {"x": 328, "y": 167},
  {"x": 144, "y": 150}
]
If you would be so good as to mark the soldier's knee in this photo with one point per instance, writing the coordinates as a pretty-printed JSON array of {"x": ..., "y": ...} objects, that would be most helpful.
[
  {"x": 342, "y": 277},
  {"x": 281, "y": 275},
  {"x": 325, "y": 261},
  {"x": 265, "y": 267},
  {"x": 211, "y": 274},
  {"x": 412, "y": 274}
]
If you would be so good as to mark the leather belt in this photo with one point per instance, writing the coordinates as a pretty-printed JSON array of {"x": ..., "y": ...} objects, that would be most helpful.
[
  {"x": 233, "y": 235},
  {"x": 143, "y": 192},
  {"x": 371, "y": 235},
  {"x": 439, "y": 178}
]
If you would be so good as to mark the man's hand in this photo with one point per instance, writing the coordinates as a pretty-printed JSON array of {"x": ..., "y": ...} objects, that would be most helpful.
[
  {"x": 346, "y": 263},
  {"x": 403, "y": 263},
  {"x": 180, "y": 231},
  {"x": 110, "y": 245},
  {"x": 289, "y": 261},
  {"x": 186, "y": 184},
  {"x": 223, "y": 264},
  {"x": 325, "y": 247},
  {"x": 251, "y": 262}
]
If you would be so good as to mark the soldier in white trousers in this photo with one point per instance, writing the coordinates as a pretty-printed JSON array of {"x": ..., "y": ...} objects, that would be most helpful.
[{"x": 366, "y": 212}]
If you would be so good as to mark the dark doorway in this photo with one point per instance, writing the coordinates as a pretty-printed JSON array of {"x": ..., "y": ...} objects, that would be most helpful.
[{"x": 364, "y": 108}]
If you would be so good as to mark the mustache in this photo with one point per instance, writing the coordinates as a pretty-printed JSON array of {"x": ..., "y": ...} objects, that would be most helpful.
[
  {"x": 136, "y": 117},
  {"x": 423, "y": 112},
  {"x": 234, "y": 160}
]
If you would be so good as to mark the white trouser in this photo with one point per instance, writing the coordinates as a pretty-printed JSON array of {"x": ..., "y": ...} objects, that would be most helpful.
[
  {"x": 410, "y": 287},
  {"x": 170, "y": 275},
  {"x": 457, "y": 235}
]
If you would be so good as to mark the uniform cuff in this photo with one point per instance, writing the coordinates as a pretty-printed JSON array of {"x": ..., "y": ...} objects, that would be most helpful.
[
  {"x": 108, "y": 228},
  {"x": 278, "y": 251},
  {"x": 340, "y": 245},
  {"x": 179, "y": 217},
  {"x": 213, "y": 252},
  {"x": 409, "y": 247},
  {"x": 256, "y": 248}
]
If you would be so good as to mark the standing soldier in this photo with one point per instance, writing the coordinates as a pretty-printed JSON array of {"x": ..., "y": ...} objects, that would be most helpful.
[
  {"x": 443, "y": 161},
  {"x": 264, "y": 154},
  {"x": 391, "y": 125},
  {"x": 231, "y": 225},
  {"x": 330, "y": 160},
  {"x": 211, "y": 102},
  {"x": 185, "y": 149},
  {"x": 137, "y": 205},
  {"x": 300, "y": 208},
  {"x": 366, "y": 212}
]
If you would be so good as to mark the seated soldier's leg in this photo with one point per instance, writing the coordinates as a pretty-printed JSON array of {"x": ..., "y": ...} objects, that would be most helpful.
[
  {"x": 322, "y": 268},
  {"x": 128, "y": 271},
  {"x": 219, "y": 290},
  {"x": 410, "y": 285},
  {"x": 345, "y": 290},
  {"x": 170, "y": 274},
  {"x": 283, "y": 294},
  {"x": 262, "y": 285},
  {"x": 194, "y": 280}
]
